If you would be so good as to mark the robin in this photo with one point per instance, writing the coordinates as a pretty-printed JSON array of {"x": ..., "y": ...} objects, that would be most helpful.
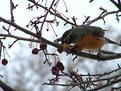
[{"x": 83, "y": 37}]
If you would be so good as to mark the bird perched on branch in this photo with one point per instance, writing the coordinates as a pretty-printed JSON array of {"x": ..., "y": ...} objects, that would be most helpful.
[{"x": 83, "y": 37}]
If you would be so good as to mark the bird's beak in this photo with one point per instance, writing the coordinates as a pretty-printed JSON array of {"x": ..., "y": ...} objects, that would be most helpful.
[
  {"x": 62, "y": 48},
  {"x": 65, "y": 46}
]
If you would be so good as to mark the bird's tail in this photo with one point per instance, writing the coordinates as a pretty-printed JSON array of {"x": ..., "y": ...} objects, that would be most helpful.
[{"x": 112, "y": 42}]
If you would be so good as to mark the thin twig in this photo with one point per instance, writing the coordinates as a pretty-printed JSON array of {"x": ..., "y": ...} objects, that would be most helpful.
[
  {"x": 106, "y": 85},
  {"x": 5, "y": 87},
  {"x": 46, "y": 16},
  {"x": 67, "y": 21},
  {"x": 86, "y": 55},
  {"x": 102, "y": 17},
  {"x": 27, "y": 31}
]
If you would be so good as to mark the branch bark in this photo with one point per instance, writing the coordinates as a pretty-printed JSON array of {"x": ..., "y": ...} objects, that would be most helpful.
[
  {"x": 102, "y": 16},
  {"x": 5, "y": 87},
  {"x": 103, "y": 57},
  {"x": 26, "y": 31},
  {"x": 67, "y": 21},
  {"x": 87, "y": 55}
]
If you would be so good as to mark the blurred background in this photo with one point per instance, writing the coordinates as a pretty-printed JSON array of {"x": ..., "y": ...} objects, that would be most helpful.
[{"x": 27, "y": 72}]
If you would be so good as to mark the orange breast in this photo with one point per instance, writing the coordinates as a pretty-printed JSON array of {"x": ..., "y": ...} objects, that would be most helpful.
[{"x": 89, "y": 42}]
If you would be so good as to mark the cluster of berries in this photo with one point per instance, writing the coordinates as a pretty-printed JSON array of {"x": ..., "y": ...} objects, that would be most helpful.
[
  {"x": 43, "y": 46},
  {"x": 57, "y": 68}
]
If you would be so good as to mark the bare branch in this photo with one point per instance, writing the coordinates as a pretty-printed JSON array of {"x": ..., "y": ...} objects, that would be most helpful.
[
  {"x": 6, "y": 87},
  {"x": 91, "y": 83},
  {"x": 106, "y": 85},
  {"x": 101, "y": 58},
  {"x": 27, "y": 31},
  {"x": 46, "y": 16},
  {"x": 18, "y": 27},
  {"x": 19, "y": 38},
  {"x": 67, "y": 21},
  {"x": 102, "y": 16},
  {"x": 118, "y": 5},
  {"x": 86, "y": 82}
]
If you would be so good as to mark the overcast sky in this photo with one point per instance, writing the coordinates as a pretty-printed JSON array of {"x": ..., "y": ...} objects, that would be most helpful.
[{"x": 77, "y": 8}]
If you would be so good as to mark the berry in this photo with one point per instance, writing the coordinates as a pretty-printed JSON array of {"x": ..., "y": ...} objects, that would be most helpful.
[
  {"x": 4, "y": 61},
  {"x": 43, "y": 46},
  {"x": 35, "y": 51},
  {"x": 60, "y": 66},
  {"x": 55, "y": 70}
]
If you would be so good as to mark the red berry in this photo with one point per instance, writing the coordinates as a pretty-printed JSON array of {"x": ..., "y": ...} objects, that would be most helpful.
[
  {"x": 55, "y": 70},
  {"x": 60, "y": 66},
  {"x": 35, "y": 51},
  {"x": 43, "y": 46},
  {"x": 4, "y": 61}
]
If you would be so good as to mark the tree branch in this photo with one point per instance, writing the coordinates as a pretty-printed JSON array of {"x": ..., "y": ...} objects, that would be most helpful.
[
  {"x": 89, "y": 82},
  {"x": 102, "y": 57},
  {"x": 76, "y": 79},
  {"x": 18, "y": 27},
  {"x": 19, "y": 38},
  {"x": 87, "y": 55},
  {"x": 59, "y": 16},
  {"x": 102, "y": 16},
  {"x": 27, "y": 32},
  {"x": 5, "y": 87},
  {"x": 118, "y": 5},
  {"x": 106, "y": 85},
  {"x": 99, "y": 82},
  {"x": 46, "y": 16},
  {"x": 67, "y": 21}
]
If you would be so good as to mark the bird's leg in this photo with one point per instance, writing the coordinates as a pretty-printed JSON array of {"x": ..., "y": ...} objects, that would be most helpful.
[
  {"x": 99, "y": 54},
  {"x": 89, "y": 52}
]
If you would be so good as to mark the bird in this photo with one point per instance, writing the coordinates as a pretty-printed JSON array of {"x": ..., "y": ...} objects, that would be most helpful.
[{"x": 83, "y": 37}]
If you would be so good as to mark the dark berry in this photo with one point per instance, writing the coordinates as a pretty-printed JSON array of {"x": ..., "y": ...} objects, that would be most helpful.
[
  {"x": 60, "y": 66},
  {"x": 43, "y": 46},
  {"x": 35, "y": 51},
  {"x": 4, "y": 61},
  {"x": 55, "y": 70}
]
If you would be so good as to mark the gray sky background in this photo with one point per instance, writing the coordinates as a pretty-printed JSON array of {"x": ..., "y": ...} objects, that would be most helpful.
[{"x": 77, "y": 8}]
